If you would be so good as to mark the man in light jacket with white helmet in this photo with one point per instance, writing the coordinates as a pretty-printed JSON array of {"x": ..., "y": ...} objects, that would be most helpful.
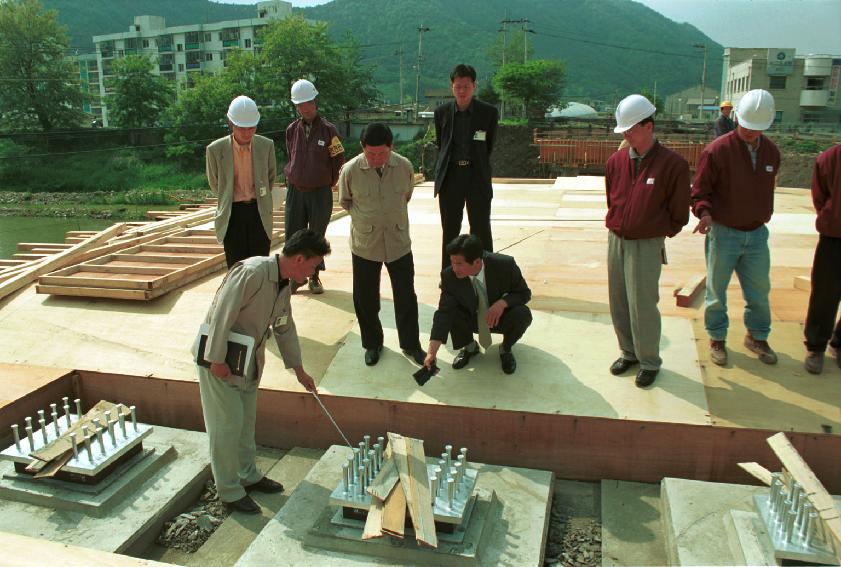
[
  {"x": 241, "y": 169},
  {"x": 733, "y": 196}
]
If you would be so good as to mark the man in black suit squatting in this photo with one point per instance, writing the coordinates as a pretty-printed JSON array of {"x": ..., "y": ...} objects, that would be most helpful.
[
  {"x": 465, "y": 129},
  {"x": 483, "y": 293}
]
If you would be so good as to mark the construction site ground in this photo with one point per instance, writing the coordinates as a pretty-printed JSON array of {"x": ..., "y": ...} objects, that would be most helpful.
[{"x": 555, "y": 230}]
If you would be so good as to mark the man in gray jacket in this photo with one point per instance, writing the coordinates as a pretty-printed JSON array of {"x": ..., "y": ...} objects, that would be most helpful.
[
  {"x": 253, "y": 300},
  {"x": 241, "y": 169},
  {"x": 375, "y": 187}
]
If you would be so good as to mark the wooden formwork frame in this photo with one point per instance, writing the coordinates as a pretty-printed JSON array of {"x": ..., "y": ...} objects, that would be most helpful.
[{"x": 573, "y": 447}]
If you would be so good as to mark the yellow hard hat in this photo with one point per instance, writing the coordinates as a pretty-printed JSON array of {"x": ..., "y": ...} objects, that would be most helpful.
[{"x": 726, "y": 103}]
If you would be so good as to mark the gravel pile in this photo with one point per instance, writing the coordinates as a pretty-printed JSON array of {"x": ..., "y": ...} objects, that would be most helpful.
[
  {"x": 573, "y": 541},
  {"x": 189, "y": 531}
]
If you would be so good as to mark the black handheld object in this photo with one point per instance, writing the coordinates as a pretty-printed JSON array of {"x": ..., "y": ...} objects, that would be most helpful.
[{"x": 423, "y": 375}]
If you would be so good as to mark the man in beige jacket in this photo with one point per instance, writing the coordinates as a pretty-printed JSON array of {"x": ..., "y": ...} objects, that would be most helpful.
[
  {"x": 253, "y": 300},
  {"x": 375, "y": 187},
  {"x": 241, "y": 170}
]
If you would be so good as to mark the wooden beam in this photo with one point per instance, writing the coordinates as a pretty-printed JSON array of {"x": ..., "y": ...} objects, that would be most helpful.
[
  {"x": 757, "y": 471},
  {"x": 690, "y": 291},
  {"x": 409, "y": 457},
  {"x": 803, "y": 282},
  {"x": 822, "y": 501},
  {"x": 394, "y": 513},
  {"x": 385, "y": 480}
]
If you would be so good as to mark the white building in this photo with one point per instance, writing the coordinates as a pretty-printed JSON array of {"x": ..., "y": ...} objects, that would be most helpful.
[{"x": 179, "y": 52}]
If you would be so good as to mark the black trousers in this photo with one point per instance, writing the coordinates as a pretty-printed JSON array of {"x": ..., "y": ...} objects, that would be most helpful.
[
  {"x": 245, "y": 236},
  {"x": 512, "y": 324},
  {"x": 307, "y": 209},
  {"x": 825, "y": 296},
  {"x": 460, "y": 187},
  {"x": 366, "y": 300}
]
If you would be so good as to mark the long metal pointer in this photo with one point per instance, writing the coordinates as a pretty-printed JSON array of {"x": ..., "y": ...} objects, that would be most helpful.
[{"x": 329, "y": 415}]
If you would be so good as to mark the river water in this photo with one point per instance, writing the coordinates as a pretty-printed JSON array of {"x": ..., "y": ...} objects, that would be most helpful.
[{"x": 41, "y": 229}]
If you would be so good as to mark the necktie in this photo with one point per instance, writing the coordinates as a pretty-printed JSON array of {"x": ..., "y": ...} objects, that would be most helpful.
[{"x": 482, "y": 314}]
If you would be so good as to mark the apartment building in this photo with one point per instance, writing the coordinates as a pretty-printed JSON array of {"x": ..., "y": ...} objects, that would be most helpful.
[
  {"x": 178, "y": 52},
  {"x": 805, "y": 88}
]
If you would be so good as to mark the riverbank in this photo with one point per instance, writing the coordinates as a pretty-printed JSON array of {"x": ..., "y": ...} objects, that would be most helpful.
[{"x": 107, "y": 205}]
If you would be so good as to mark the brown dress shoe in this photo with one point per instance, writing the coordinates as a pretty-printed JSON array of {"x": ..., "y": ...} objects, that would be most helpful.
[
  {"x": 245, "y": 505},
  {"x": 761, "y": 348},
  {"x": 718, "y": 353},
  {"x": 265, "y": 484}
]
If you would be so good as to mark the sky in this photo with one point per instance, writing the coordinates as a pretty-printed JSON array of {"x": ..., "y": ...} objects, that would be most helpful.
[{"x": 809, "y": 26}]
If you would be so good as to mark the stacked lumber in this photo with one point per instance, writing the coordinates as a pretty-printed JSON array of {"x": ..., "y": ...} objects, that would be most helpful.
[{"x": 402, "y": 483}]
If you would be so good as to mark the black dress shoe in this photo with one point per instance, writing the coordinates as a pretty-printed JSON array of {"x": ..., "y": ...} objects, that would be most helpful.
[
  {"x": 245, "y": 504},
  {"x": 508, "y": 362},
  {"x": 372, "y": 355},
  {"x": 463, "y": 357},
  {"x": 415, "y": 354},
  {"x": 265, "y": 484},
  {"x": 646, "y": 377},
  {"x": 621, "y": 365}
]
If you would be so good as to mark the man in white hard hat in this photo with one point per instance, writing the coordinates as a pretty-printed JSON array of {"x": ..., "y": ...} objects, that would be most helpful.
[
  {"x": 315, "y": 155},
  {"x": 733, "y": 196},
  {"x": 465, "y": 131},
  {"x": 375, "y": 187},
  {"x": 826, "y": 268},
  {"x": 647, "y": 200},
  {"x": 241, "y": 169},
  {"x": 724, "y": 123}
]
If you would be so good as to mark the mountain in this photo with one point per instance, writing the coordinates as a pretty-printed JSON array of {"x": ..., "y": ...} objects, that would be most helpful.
[{"x": 611, "y": 47}]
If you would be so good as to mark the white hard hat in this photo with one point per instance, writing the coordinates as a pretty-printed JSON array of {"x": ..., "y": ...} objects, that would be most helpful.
[
  {"x": 243, "y": 112},
  {"x": 631, "y": 110},
  {"x": 303, "y": 91},
  {"x": 756, "y": 110}
]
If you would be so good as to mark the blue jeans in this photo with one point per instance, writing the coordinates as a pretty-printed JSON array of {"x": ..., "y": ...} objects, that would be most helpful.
[{"x": 746, "y": 252}]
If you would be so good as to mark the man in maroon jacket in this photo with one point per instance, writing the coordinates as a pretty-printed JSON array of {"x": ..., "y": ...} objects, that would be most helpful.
[
  {"x": 315, "y": 155},
  {"x": 647, "y": 200},
  {"x": 826, "y": 269},
  {"x": 733, "y": 196}
]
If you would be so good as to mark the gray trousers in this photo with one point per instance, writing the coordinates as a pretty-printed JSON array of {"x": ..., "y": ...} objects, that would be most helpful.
[
  {"x": 230, "y": 414},
  {"x": 633, "y": 278}
]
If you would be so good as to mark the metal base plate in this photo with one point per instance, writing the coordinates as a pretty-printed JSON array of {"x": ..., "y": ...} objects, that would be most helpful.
[
  {"x": 441, "y": 509},
  {"x": 815, "y": 553}
]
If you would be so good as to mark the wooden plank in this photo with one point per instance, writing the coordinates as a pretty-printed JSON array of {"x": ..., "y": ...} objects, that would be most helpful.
[
  {"x": 815, "y": 492},
  {"x": 803, "y": 282},
  {"x": 385, "y": 480},
  {"x": 757, "y": 471},
  {"x": 374, "y": 520},
  {"x": 57, "y": 261},
  {"x": 28, "y": 256},
  {"x": 410, "y": 460},
  {"x": 31, "y": 245},
  {"x": 194, "y": 239},
  {"x": 84, "y": 280},
  {"x": 107, "y": 268},
  {"x": 176, "y": 248},
  {"x": 104, "y": 293},
  {"x": 9, "y": 262},
  {"x": 394, "y": 513},
  {"x": 127, "y": 257},
  {"x": 690, "y": 291},
  {"x": 25, "y": 550}
]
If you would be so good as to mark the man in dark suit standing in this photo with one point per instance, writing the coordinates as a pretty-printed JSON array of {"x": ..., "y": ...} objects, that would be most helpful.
[
  {"x": 465, "y": 130},
  {"x": 481, "y": 292}
]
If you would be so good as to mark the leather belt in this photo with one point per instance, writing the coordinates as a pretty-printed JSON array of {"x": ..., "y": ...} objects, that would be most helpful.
[
  {"x": 461, "y": 162},
  {"x": 249, "y": 202}
]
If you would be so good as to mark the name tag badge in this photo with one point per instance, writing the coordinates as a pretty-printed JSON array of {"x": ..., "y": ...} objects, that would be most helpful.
[
  {"x": 262, "y": 191},
  {"x": 321, "y": 143},
  {"x": 649, "y": 181},
  {"x": 480, "y": 135},
  {"x": 769, "y": 168},
  {"x": 281, "y": 321}
]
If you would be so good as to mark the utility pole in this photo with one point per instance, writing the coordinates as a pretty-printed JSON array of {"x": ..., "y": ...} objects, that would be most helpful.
[
  {"x": 703, "y": 79},
  {"x": 399, "y": 53},
  {"x": 526, "y": 31},
  {"x": 421, "y": 31},
  {"x": 504, "y": 31}
]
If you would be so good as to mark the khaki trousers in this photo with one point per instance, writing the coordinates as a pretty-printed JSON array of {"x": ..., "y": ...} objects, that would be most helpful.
[
  {"x": 230, "y": 415},
  {"x": 633, "y": 277}
]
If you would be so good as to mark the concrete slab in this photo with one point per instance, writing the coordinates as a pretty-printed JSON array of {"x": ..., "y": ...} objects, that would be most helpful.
[
  {"x": 632, "y": 532},
  {"x": 694, "y": 520},
  {"x": 751, "y": 537},
  {"x": 555, "y": 358},
  {"x": 136, "y": 516},
  {"x": 518, "y": 537}
]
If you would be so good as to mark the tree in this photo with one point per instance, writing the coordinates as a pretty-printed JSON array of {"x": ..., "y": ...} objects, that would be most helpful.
[
  {"x": 43, "y": 90},
  {"x": 140, "y": 97},
  {"x": 537, "y": 84}
]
